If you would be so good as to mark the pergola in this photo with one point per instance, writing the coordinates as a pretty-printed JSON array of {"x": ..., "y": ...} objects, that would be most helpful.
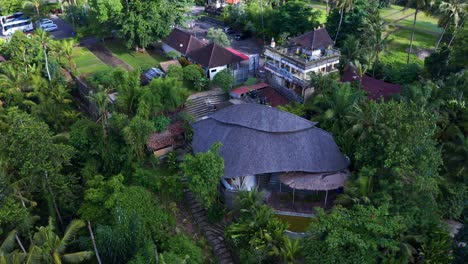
[{"x": 314, "y": 181}]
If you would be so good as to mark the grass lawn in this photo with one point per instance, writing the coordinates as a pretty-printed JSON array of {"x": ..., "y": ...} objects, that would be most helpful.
[
  {"x": 399, "y": 44},
  {"x": 318, "y": 4},
  {"x": 424, "y": 22},
  {"x": 138, "y": 60},
  {"x": 86, "y": 62}
]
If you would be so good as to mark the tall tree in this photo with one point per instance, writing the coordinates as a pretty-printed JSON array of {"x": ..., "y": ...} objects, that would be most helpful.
[
  {"x": 452, "y": 12},
  {"x": 44, "y": 41},
  {"x": 343, "y": 6},
  {"x": 420, "y": 5},
  {"x": 48, "y": 247},
  {"x": 219, "y": 37},
  {"x": 204, "y": 171}
]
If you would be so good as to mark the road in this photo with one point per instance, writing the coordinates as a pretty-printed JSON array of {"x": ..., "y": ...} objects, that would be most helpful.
[{"x": 65, "y": 30}]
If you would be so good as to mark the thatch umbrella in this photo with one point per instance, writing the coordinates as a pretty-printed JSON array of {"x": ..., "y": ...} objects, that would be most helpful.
[{"x": 315, "y": 181}]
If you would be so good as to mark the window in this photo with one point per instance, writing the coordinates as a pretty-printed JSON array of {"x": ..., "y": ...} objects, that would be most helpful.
[{"x": 214, "y": 70}]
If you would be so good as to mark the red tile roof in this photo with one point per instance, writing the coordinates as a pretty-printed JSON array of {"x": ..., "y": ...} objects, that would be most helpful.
[
  {"x": 376, "y": 88},
  {"x": 316, "y": 39},
  {"x": 183, "y": 42},
  {"x": 166, "y": 138},
  {"x": 247, "y": 88},
  {"x": 238, "y": 53},
  {"x": 213, "y": 55}
]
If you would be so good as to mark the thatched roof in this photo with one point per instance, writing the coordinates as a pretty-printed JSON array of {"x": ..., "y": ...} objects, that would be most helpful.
[
  {"x": 259, "y": 139},
  {"x": 314, "y": 181}
]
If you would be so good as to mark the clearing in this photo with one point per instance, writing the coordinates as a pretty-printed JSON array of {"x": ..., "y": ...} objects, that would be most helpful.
[
  {"x": 138, "y": 60},
  {"x": 86, "y": 62}
]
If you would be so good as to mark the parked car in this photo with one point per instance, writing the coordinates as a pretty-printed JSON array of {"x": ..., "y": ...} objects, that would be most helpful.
[
  {"x": 227, "y": 29},
  {"x": 45, "y": 21},
  {"x": 230, "y": 31},
  {"x": 241, "y": 36},
  {"x": 49, "y": 27},
  {"x": 150, "y": 74}
]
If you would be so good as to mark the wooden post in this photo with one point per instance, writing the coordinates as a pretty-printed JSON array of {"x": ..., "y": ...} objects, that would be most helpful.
[
  {"x": 326, "y": 198},
  {"x": 293, "y": 195}
]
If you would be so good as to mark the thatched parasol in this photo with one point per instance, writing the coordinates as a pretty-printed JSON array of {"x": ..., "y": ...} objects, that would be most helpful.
[{"x": 314, "y": 181}]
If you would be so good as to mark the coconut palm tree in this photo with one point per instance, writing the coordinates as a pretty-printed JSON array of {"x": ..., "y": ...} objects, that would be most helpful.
[
  {"x": 48, "y": 247},
  {"x": 343, "y": 6},
  {"x": 376, "y": 38},
  {"x": 420, "y": 5},
  {"x": 101, "y": 99},
  {"x": 35, "y": 3},
  {"x": 453, "y": 11},
  {"x": 64, "y": 49},
  {"x": 44, "y": 40}
]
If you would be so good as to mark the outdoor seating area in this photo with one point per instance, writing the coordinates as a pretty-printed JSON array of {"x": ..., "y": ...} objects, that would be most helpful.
[{"x": 301, "y": 202}]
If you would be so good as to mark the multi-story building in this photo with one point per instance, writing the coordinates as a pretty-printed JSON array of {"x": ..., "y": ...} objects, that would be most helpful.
[{"x": 289, "y": 67}]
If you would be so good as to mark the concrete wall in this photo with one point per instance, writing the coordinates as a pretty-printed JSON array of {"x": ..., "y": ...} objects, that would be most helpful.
[{"x": 213, "y": 71}]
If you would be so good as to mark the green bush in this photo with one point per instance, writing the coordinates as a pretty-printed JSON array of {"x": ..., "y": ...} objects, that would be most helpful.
[
  {"x": 224, "y": 80},
  {"x": 161, "y": 122},
  {"x": 192, "y": 73},
  {"x": 175, "y": 71},
  {"x": 250, "y": 81},
  {"x": 184, "y": 246}
]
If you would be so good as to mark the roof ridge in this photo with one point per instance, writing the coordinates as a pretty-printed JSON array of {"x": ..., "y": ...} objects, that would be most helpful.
[{"x": 211, "y": 54}]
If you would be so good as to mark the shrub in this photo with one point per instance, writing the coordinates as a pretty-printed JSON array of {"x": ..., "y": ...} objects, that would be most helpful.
[
  {"x": 175, "y": 71},
  {"x": 224, "y": 80},
  {"x": 172, "y": 54},
  {"x": 192, "y": 73},
  {"x": 250, "y": 81},
  {"x": 161, "y": 122},
  {"x": 184, "y": 246},
  {"x": 184, "y": 62}
]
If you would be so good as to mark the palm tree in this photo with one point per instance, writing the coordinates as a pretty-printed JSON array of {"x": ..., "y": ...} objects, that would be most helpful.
[
  {"x": 48, "y": 247},
  {"x": 351, "y": 50},
  {"x": 343, "y": 6},
  {"x": 452, "y": 11},
  {"x": 419, "y": 5},
  {"x": 101, "y": 99},
  {"x": 65, "y": 51},
  {"x": 374, "y": 30},
  {"x": 44, "y": 40},
  {"x": 35, "y": 3}
]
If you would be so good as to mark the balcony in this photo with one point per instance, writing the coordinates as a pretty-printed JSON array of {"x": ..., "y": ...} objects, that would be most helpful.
[
  {"x": 285, "y": 74},
  {"x": 303, "y": 61}
]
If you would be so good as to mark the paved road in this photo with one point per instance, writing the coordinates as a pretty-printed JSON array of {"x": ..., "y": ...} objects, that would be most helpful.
[{"x": 64, "y": 30}]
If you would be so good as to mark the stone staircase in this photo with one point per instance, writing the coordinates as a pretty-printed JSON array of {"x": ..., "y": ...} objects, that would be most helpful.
[
  {"x": 202, "y": 104},
  {"x": 214, "y": 233}
]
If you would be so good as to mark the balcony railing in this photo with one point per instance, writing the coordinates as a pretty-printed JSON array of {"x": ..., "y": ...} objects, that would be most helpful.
[
  {"x": 308, "y": 62},
  {"x": 285, "y": 74}
]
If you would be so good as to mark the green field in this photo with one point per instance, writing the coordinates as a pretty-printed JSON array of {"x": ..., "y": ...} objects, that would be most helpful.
[
  {"x": 138, "y": 60},
  {"x": 398, "y": 44},
  {"x": 86, "y": 62}
]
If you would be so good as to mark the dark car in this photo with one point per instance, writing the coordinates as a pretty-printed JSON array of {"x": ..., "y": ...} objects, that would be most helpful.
[
  {"x": 230, "y": 31},
  {"x": 149, "y": 75},
  {"x": 241, "y": 36}
]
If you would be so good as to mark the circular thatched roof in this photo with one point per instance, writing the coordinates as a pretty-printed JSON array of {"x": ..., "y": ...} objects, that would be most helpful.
[{"x": 258, "y": 139}]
